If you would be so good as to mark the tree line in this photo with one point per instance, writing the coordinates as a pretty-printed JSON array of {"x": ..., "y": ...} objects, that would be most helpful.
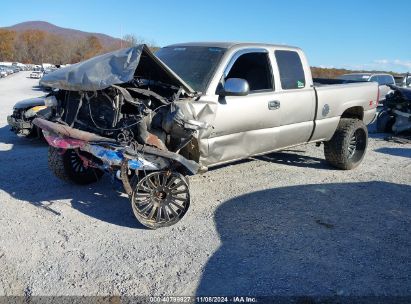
[{"x": 36, "y": 47}]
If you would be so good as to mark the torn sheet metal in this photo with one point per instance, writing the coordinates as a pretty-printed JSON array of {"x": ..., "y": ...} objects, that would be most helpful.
[
  {"x": 402, "y": 121},
  {"x": 109, "y": 157},
  {"x": 396, "y": 115},
  {"x": 112, "y": 158},
  {"x": 67, "y": 131},
  {"x": 62, "y": 143},
  {"x": 61, "y": 136},
  {"x": 96, "y": 73},
  {"x": 113, "y": 68}
]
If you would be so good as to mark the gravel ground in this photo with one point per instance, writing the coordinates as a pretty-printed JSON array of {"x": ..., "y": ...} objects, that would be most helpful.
[{"x": 283, "y": 224}]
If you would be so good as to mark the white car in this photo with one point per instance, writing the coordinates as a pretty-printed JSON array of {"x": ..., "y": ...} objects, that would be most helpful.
[
  {"x": 36, "y": 74},
  {"x": 406, "y": 83}
]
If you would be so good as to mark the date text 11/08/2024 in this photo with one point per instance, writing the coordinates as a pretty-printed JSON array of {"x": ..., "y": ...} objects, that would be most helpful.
[{"x": 237, "y": 299}]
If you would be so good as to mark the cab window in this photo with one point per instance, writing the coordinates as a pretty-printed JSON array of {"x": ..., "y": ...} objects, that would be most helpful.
[
  {"x": 291, "y": 70},
  {"x": 256, "y": 69}
]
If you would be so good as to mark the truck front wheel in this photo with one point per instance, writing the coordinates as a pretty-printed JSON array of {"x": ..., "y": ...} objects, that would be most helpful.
[
  {"x": 69, "y": 167},
  {"x": 347, "y": 147}
]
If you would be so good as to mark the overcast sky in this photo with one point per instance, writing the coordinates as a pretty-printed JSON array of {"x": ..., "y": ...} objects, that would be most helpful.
[{"x": 350, "y": 34}]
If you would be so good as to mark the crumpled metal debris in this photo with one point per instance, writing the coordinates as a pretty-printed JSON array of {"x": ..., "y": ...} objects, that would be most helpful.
[{"x": 396, "y": 114}]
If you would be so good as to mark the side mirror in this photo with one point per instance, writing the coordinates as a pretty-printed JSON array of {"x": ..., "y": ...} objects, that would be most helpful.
[{"x": 235, "y": 87}]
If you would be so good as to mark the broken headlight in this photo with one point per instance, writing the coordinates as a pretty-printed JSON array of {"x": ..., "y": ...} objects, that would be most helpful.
[{"x": 33, "y": 111}]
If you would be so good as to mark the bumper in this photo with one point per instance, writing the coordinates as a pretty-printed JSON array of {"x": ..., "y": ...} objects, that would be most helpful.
[
  {"x": 110, "y": 153},
  {"x": 19, "y": 126}
]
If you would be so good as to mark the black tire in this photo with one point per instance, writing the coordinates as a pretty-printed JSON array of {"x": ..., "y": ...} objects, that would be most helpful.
[
  {"x": 68, "y": 166},
  {"x": 347, "y": 147},
  {"x": 385, "y": 122}
]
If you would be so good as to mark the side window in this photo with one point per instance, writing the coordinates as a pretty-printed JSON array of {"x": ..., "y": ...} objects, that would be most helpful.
[
  {"x": 291, "y": 70},
  {"x": 388, "y": 80},
  {"x": 375, "y": 79},
  {"x": 255, "y": 68}
]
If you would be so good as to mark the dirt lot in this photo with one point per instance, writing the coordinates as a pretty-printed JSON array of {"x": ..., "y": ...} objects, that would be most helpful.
[{"x": 283, "y": 224}]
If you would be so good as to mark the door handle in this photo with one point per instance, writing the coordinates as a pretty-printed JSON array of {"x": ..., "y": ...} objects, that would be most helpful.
[{"x": 273, "y": 105}]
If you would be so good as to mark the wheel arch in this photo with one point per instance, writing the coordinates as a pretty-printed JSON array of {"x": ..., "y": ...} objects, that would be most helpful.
[{"x": 354, "y": 112}]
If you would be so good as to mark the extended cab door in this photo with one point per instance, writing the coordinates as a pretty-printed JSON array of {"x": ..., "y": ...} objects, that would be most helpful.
[
  {"x": 245, "y": 125},
  {"x": 295, "y": 96}
]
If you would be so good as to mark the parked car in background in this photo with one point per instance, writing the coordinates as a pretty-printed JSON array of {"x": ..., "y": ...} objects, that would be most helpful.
[
  {"x": 21, "y": 121},
  {"x": 403, "y": 81},
  {"x": 3, "y": 73},
  {"x": 407, "y": 81},
  {"x": 383, "y": 81},
  {"x": 7, "y": 69},
  {"x": 15, "y": 69},
  {"x": 36, "y": 74},
  {"x": 399, "y": 80}
]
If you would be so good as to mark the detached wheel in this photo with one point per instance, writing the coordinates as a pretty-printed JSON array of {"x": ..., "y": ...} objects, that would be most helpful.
[
  {"x": 160, "y": 199},
  {"x": 347, "y": 147},
  {"x": 69, "y": 167}
]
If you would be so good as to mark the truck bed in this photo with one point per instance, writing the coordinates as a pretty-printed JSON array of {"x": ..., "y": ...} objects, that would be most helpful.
[
  {"x": 328, "y": 81},
  {"x": 333, "y": 99}
]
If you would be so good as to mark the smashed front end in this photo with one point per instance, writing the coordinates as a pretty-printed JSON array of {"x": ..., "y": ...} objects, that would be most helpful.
[{"x": 128, "y": 114}]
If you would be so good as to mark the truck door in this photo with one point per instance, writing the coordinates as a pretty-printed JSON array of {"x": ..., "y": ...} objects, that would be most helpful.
[
  {"x": 245, "y": 125},
  {"x": 295, "y": 97}
]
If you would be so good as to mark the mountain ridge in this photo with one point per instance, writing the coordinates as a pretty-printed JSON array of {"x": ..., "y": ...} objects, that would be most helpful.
[{"x": 68, "y": 33}]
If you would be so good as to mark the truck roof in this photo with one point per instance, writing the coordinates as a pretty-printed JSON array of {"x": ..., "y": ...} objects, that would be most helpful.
[{"x": 228, "y": 45}]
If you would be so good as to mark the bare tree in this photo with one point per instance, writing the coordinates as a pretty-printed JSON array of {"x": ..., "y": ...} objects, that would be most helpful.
[
  {"x": 7, "y": 39},
  {"x": 132, "y": 40}
]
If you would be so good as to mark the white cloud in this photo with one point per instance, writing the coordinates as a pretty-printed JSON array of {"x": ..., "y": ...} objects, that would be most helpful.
[
  {"x": 404, "y": 63},
  {"x": 394, "y": 65},
  {"x": 381, "y": 61}
]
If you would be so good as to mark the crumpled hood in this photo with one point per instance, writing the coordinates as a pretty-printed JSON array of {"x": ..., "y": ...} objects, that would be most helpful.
[{"x": 112, "y": 68}]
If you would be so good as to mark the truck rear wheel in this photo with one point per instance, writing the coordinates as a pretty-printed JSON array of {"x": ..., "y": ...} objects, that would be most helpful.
[
  {"x": 69, "y": 167},
  {"x": 347, "y": 147}
]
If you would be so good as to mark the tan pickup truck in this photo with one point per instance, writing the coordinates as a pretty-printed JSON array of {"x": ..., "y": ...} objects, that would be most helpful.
[{"x": 151, "y": 119}]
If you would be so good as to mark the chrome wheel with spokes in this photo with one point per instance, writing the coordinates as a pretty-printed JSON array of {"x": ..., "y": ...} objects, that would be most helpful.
[
  {"x": 352, "y": 145},
  {"x": 160, "y": 199}
]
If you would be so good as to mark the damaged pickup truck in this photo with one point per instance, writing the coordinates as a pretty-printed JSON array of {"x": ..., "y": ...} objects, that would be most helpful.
[{"x": 151, "y": 120}]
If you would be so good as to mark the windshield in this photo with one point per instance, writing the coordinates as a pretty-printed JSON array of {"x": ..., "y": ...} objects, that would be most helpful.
[
  {"x": 194, "y": 64},
  {"x": 355, "y": 77}
]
